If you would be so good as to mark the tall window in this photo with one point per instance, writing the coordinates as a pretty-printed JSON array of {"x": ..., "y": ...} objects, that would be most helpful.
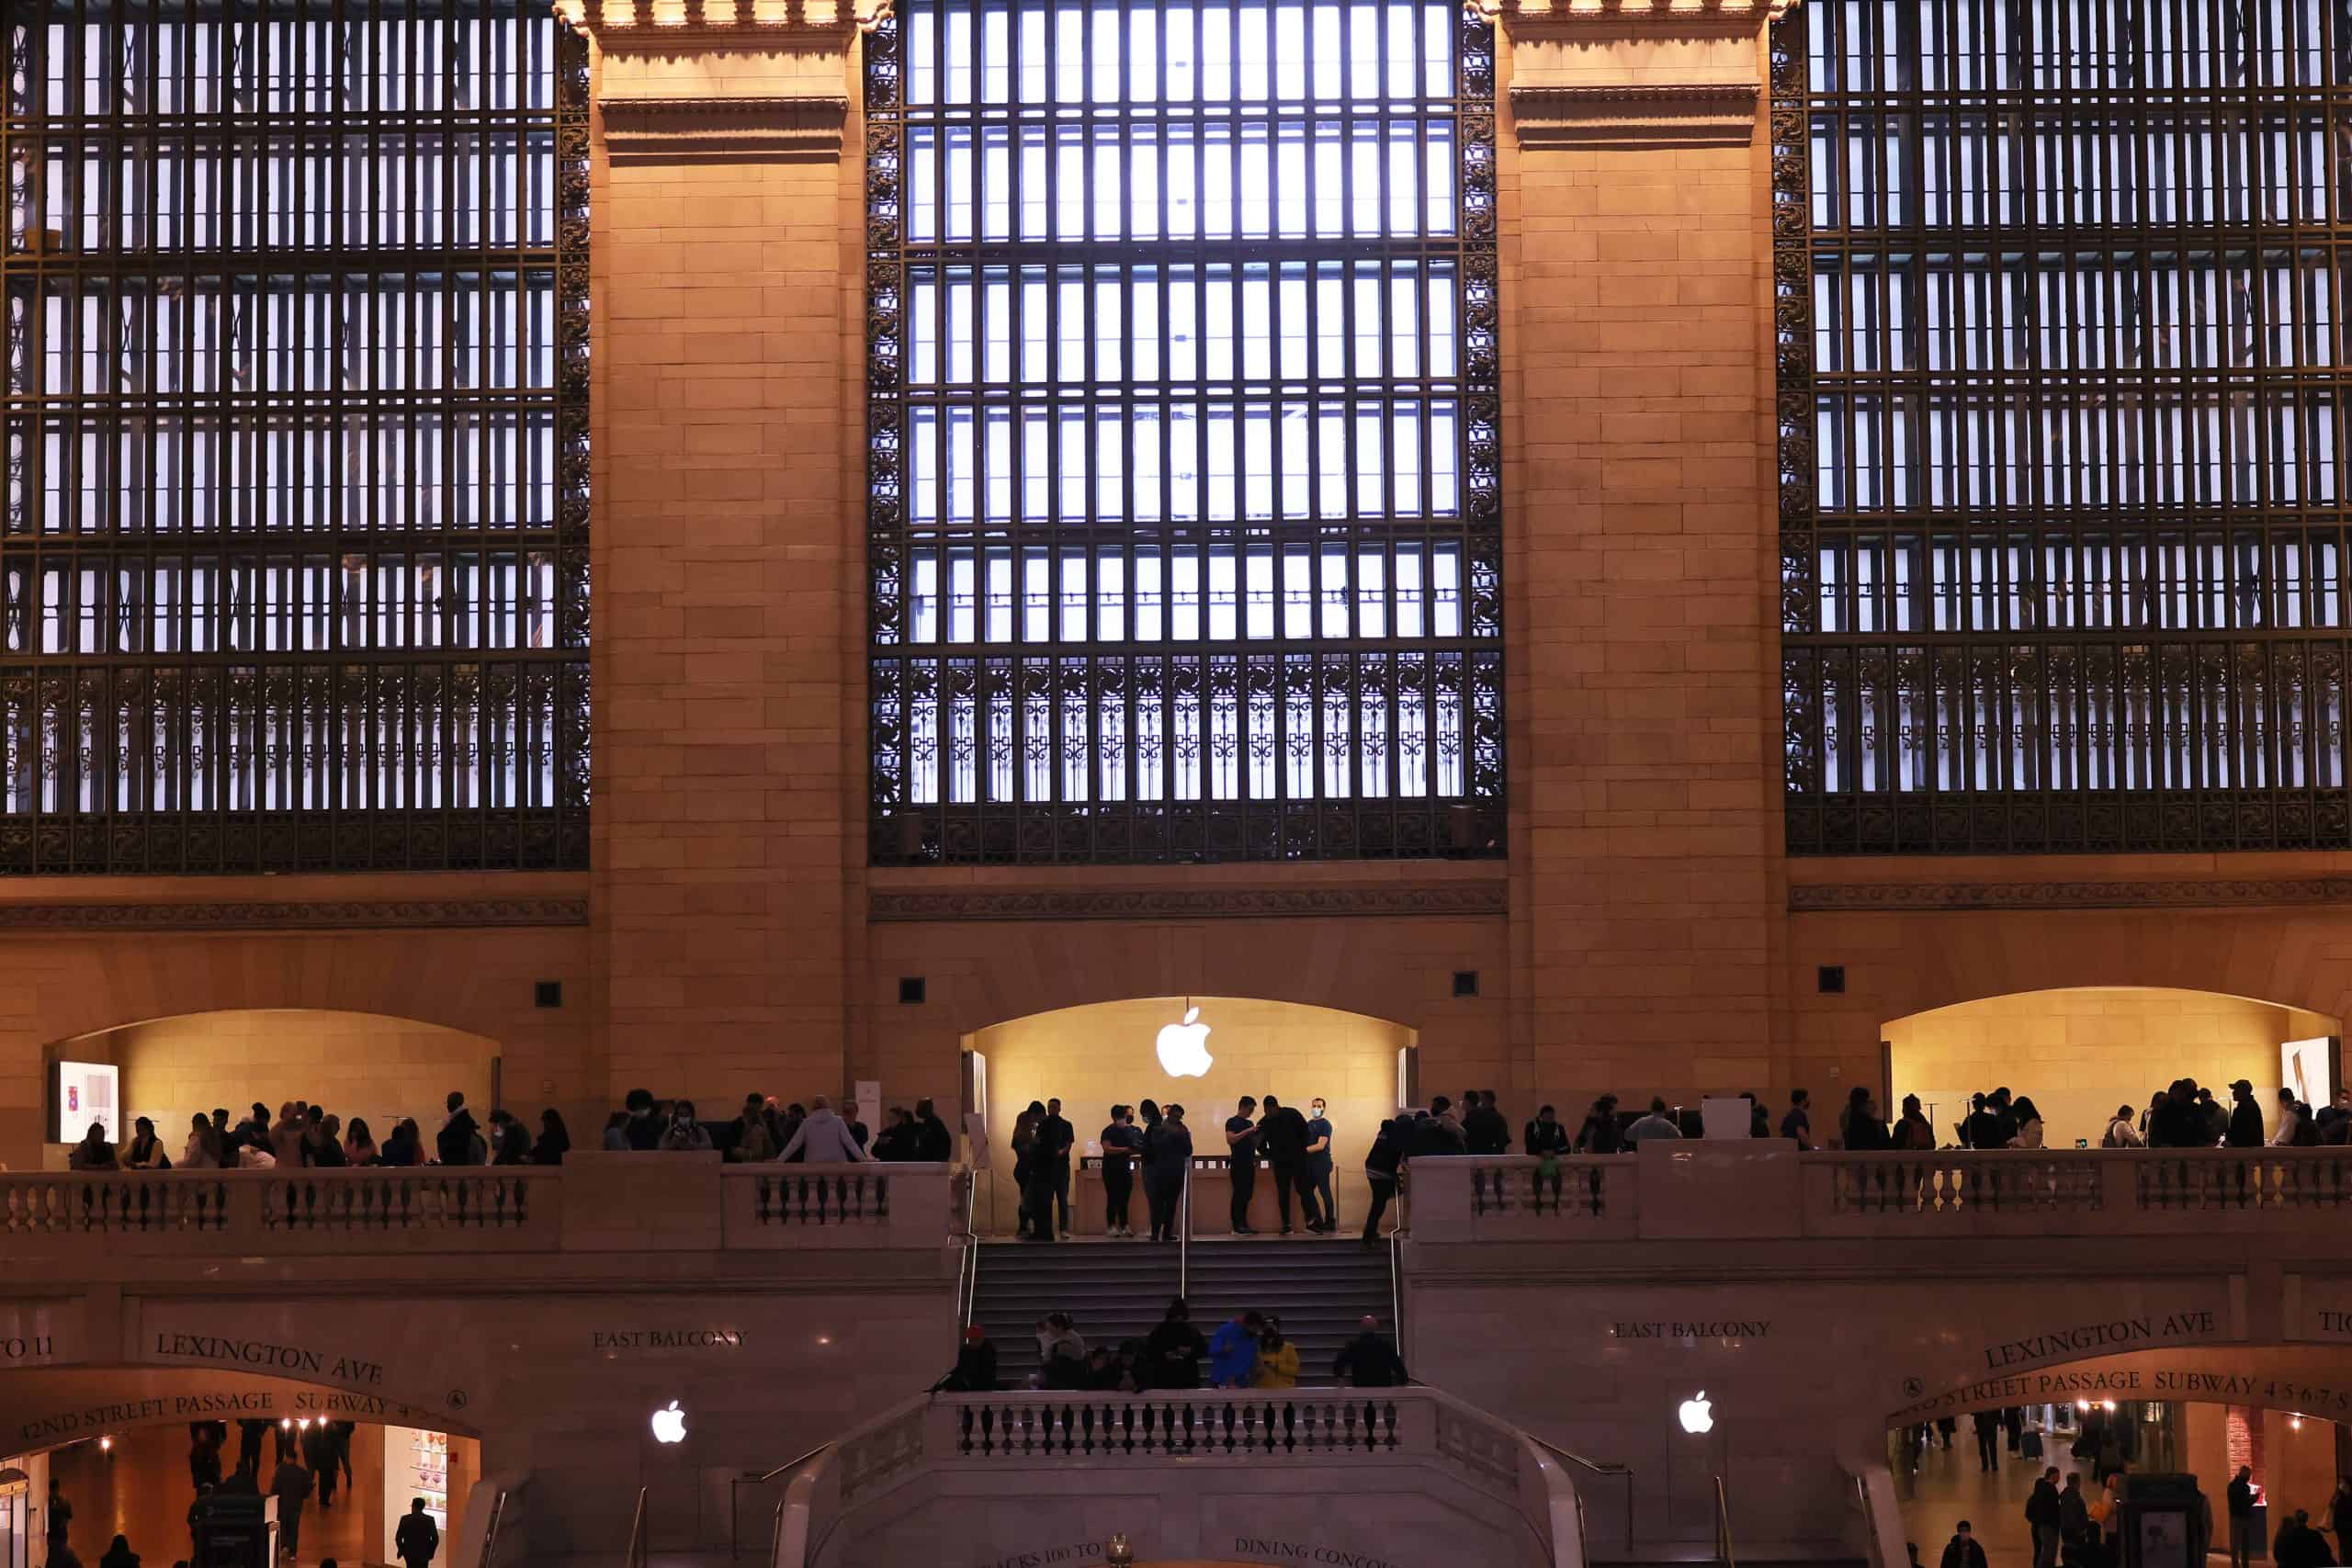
[
  {"x": 293, "y": 566},
  {"x": 2063, "y": 372},
  {"x": 1185, "y": 538}
]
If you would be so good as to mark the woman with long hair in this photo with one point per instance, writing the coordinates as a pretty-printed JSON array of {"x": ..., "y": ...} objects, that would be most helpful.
[{"x": 555, "y": 1139}]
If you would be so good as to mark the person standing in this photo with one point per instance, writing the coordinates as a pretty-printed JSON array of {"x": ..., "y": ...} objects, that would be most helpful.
[
  {"x": 1656, "y": 1124},
  {"x": 1056, "y": 1137},
  {"x": 1241, "y": 1149},
  {"x": 291, "y": 1486},
  {"x": 2075, "y": 1513},
  {"x": 1380, "y": 1163},
  {"x": 1963, "y": 1550},
  {"x": 59, "y": 1520},
  {"x": 1024, "y": 1139},
  {"x": 1121, "y": 1140},
  {"x": 1233, "y": 1350},
  {"x": 2291, "y": 1121},
  {"x": 418, "y": 1538},
  {"x": 455, "y": 1143},
  {"x": 1368, "y": 1360},
  {"x": 2046, "y": 1517},
  {"x": 119, "y": 1554},
  {"x": 823, "y": 1138},
  {"x": 1168, "y": 1166},
  {"x": 1315, "y": 1180},
  {"x": 1284, "y": 1131},
  {"x": 934, "y": 1142},
  {"x": 1600, "y": 1135},
  {"x": 2240, "y": 1498},
  {"x": 1797, "y": 1123}
]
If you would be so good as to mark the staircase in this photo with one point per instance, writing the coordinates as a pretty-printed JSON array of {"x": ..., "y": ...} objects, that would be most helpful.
[{"x": 1119, "y": 1289}]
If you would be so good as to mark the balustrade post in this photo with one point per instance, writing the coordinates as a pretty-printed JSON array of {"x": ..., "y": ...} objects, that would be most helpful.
[{"x": 2119, "y": 1187}]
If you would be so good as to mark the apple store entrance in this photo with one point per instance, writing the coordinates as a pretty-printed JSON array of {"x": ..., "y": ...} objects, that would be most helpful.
[{"x": 1204, "y": 1052}]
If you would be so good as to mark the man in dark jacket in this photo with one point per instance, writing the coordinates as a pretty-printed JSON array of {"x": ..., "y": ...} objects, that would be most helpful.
[
  {"x": 1982, "y": 1130},
  {"x": 2074, "y": 1512},
  {"x": 974, "y": 1364},
  {"x": 1050, "y": 1173},
  {"x": 1368, "y": 1360},
  {"x": 1483, "y": 1127},
  {"x": 455, "y": 1141},
  {"x": 2245, "y": 1117},
  {"x": 2240, "y": 1497},
  {"x": 292, "y": 1487},
  {"x": 418, "y": 1537},
  {"x": 1988, "y": 1441},
  {"x": 1283, "y": 1131},
  {"x": 1962, "y": 1550},
  {"x": 1433, "y": 1134},
  {"x": 1380, "y": 1163},
  {"x": 2044, "y": 1512},
  {"x": 933, "y": 1141},
  {"x": 1241, "y": 1150}
]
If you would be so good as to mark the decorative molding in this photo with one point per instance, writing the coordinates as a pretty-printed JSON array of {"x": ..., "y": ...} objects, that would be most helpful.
[
  {"x": 1677, "y": 113},
  {"x": 355, "y": 915},
  {"x": 1638, "y": 16},
  {"x": 2234, "y": 893},
  {"x": 1191, "y": 904},
  {"x": 684, "y": 128},
  {"x": 686, "y": 26}
]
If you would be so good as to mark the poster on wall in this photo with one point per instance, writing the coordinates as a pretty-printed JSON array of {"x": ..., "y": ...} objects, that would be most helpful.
[
  {"x": 2308, "y": 1068},
  {"x": 87, "y": 1092}
]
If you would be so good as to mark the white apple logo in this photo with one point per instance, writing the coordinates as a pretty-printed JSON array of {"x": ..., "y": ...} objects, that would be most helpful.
[
  {"x": 1183, "y": 1047},
  {"x": 670, "y": 1425},
  {"x": 1696, "y": 1416}
]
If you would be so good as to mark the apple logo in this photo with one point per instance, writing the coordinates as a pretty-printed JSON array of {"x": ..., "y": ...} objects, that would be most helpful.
[
  {"x": 1696, "y": 1416},
  {"x": 670, "y": 1425},
  {"x": 1183, "y": 1047}
]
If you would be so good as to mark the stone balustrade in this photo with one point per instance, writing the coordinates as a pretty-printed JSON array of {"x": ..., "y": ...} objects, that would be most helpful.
[
  {"x": 1671, "y": 1191},
  {"x": 595, "y": 1202},
  {"x": 1185, "y": 1450}
]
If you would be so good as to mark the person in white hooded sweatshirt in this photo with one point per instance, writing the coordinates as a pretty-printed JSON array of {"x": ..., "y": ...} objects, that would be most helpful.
[{"x": 824, "y": 1138}]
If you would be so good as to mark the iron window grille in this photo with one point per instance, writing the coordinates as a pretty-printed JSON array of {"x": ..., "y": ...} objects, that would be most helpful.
[
  {"x": 1184, "y": 532},
  {"x": 293, "y": 566},
  {"x": 2062, "y": 360}
]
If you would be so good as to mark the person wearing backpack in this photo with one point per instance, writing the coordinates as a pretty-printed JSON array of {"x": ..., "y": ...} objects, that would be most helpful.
[{"x": 418, "y": 1537}]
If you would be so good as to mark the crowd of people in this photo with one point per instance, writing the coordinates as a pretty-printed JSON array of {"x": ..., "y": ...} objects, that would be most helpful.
[
  {"x": 303, "y": 1135},
  {"x": 306, "y": 1460},
  {"x": 1249, "y": 1351}
]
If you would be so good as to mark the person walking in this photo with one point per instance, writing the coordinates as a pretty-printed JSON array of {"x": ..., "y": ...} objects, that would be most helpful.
[
  {"x": 1122, "y": 1141},
  {"x": 418, "y": 1538},
  {"x": 1024, "y": 1139},
  {"x": 291, "y": 1486},
  {"x": 1988, "y": 1440},
  {"x": 1963, "y": 1550},
  {"x": 1369, "y": 1360},
  {"x": 2046, "y": 1517},
  {"x": 60, "y": 1521},
  {"x": 1284, "y": 1131},
  {"x": 2239, "y": 1496},
  {"x": 1380, "y": 1165},
  {"x": 1315, "y": 1178},
  {"x": 1241, "y": 1152},
  {"x": 1168, "y": 1165}
]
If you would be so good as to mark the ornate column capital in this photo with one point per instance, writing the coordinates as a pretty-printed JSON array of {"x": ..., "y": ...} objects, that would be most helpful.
[
  {"x": 694, "y": 80},
  {"x": 721, "y": 24}
]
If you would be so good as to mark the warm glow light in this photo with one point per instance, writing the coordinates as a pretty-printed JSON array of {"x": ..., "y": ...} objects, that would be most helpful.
[
  {"x": 2083, "y": 1405},
  {"x": 2296, "y": 1422},
  {"x": 106, "y": 1445},
  {"x": 286, "y": 1423},
  {"x": 2108, "y": 1405}
]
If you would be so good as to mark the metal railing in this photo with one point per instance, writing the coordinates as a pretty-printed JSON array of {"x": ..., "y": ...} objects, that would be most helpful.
[
  {"x": 1722, "y": 1528},
  {"x": 1623, "y": 1473},
  {"x": 490, "y": 1534},
  {"x": 735, "y": 1485},
  {"x": 637, "y": 1542},
  {"x": 1184, "y": 1235}
]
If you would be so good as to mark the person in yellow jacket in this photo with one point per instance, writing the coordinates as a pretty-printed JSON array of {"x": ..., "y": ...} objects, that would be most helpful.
[{"x": 1277, "y": 1358}]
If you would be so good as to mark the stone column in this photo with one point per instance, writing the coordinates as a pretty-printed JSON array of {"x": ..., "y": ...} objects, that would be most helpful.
[
  {"x": 728, "y": 268},
  {"x": 1641, "y": 547}
]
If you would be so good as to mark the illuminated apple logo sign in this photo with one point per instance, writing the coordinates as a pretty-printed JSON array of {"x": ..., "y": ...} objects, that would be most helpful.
[
  {"x": 1697, "y": 1416},
  {"x": 670, "y": 1425},
  {"x": 1184, "y": 1047}
]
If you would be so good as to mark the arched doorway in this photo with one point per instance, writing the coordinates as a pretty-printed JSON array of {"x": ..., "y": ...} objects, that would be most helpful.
[
  {"x": 356, "y": 1064},
  {"x": 2081, "y": 1053},
  {"x": 123, "y": 1445},
  {"x": 1094, "y": 1056}
]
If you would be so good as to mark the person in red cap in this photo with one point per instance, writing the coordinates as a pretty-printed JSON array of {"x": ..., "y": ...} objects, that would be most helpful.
[{"x": 975, "y": 1366}]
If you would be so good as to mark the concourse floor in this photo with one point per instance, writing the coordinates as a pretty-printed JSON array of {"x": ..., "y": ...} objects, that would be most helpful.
[
  {"x": 140, "y": 1490},
  {"x": 1948, "y": 1486}
]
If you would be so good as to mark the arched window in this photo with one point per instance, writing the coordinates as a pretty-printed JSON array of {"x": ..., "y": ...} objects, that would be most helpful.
[{"x": 1184, "y": 529}]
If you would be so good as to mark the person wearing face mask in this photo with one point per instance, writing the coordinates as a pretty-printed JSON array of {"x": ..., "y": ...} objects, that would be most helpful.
[
  {"x": 1314, "y": 1177},
  {"x": 684, "y": 1134}
]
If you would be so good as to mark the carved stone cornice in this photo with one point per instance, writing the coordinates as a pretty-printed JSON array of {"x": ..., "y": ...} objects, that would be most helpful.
[
  {"x": 1191, "y": 904},
  {"x": 1672, "y": 114},
  {"x": 1639, "y": 15},
  {"x": 686, "y": 26},
  {"x": 675, "y": 128},
  {"x": 372, "y": 914},
  {"x": 2232, "y": 893}
]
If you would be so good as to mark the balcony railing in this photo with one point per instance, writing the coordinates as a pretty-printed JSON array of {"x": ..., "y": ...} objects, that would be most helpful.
[
  {"x": 1182, "y": 1447},
  {"x": 594, "y": 1202},
  {"x": 1765, "y": 1187}
]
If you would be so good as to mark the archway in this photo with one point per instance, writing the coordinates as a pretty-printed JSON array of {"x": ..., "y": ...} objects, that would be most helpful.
[
  {"x": 1094, "y": 1056},
  {"x": 2081, "y": 1052},
  {"x": 121, "y": 1444},
  {"x": 357, "y": 1064}
]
